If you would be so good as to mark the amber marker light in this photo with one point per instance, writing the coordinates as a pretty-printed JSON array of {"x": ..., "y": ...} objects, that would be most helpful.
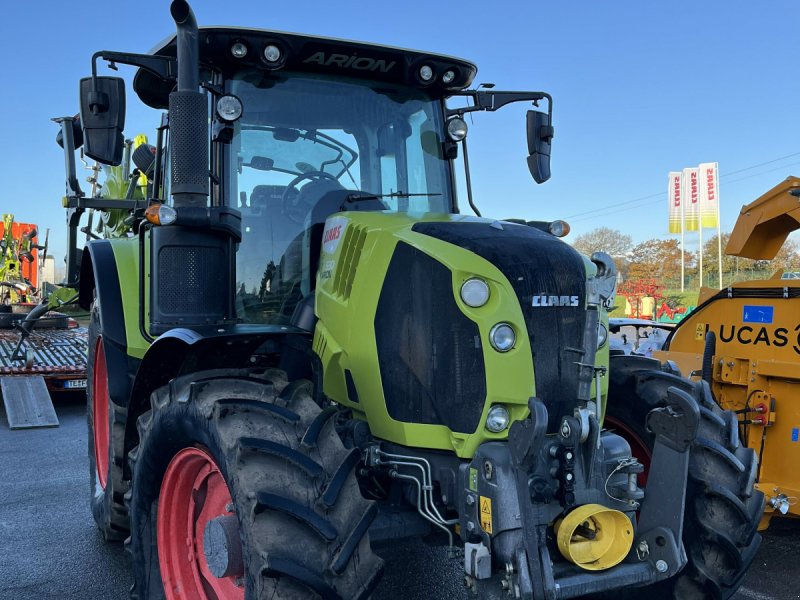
[{"x": 160, "y": 214}]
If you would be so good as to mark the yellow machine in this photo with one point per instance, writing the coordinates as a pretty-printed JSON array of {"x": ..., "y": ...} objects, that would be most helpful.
[{"x": 744, "y": 340}]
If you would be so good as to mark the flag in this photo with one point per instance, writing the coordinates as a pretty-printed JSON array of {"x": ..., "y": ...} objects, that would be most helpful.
[
  {"x": 709, "y": 194},
  {"x": 691, "y": 195},
  {"x": 674, "y": 196}
]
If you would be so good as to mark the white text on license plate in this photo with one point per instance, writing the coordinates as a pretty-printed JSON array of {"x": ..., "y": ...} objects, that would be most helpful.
[{"x": 75, "y": 383}]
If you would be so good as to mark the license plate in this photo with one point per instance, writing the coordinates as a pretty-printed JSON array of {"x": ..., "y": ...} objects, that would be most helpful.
[{"x": 75, "y": 384}]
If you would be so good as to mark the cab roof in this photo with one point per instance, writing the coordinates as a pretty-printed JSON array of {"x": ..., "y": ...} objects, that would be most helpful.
[{"x": 306, "y": 53}]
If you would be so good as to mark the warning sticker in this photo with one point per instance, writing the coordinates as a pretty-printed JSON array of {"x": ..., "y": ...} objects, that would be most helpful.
[
  {"x": 473, "y": 479},
  {"x": 486, "y": 514},
  {"x": 700, "y": 331}
]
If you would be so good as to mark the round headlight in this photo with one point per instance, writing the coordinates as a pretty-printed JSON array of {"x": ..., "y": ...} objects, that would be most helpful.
[
  {"x": 448, "y": 77},
  {"x": 229, "y": 108},
  {"x": 558, "y": 228},
  {"x": 239, "y": 50},
  {"x": 425, "y": 73},
  {"x": 497, "y": 419},
  {"x": 475, "y": 292},
  {"x": 457, "y": 129},
  {"x": 602, "y": 335},
  {"x": 272, "y": 53},
  {"x": 502, "y": 337}
]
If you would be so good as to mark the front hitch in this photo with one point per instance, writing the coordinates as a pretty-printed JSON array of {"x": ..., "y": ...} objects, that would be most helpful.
[{"x": 515, "y": 492}]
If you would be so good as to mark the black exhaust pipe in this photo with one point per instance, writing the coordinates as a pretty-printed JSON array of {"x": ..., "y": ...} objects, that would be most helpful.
[
  {"x": 188, "y": 116},
  {"x": 192, "y": 261},
  {"x": 188, "y": 59}
]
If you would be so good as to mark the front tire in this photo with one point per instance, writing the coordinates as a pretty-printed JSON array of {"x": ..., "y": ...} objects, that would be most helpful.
[
  {"x": 254, "y": 455},
  {"x": 722, "y": 508},
  {"x": 106, "y": 427}
]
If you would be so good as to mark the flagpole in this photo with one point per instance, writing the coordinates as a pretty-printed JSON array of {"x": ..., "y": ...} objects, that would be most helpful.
[
  {"x": 683, "y": 201},
  {"x": 719, "y": 224},
  {"x": 700, "y": 233}
]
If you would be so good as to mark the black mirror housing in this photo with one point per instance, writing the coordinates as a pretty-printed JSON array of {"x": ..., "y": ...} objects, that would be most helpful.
[
  {"x": 103, "y": 118},
  {"x": 540, "y": 136},
  {"x": 77, "y": 133}
]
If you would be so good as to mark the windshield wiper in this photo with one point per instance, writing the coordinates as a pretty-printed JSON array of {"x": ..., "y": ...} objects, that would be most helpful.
[{"x": 365, "y": 196}]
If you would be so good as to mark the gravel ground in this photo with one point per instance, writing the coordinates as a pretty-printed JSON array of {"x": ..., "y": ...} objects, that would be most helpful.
[{"x": 52, "y": 550}]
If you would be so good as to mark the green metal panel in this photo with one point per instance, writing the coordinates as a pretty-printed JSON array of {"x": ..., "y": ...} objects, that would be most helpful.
[{"x": 126, "y": 255}]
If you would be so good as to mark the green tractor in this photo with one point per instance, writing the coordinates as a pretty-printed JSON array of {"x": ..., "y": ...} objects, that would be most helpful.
[{"x": 303, "y": 350}]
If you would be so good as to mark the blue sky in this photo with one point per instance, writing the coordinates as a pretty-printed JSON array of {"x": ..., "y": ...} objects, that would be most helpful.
[{"x": 641, "y": 88}]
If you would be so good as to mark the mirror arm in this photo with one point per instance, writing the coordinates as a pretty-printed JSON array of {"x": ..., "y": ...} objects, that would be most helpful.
[
  {"x": 468, "y": 178},
  {"x": 492, "y": 101},
  {"x": 162, "y": 67},
  {"x": 73, "y": 188}
]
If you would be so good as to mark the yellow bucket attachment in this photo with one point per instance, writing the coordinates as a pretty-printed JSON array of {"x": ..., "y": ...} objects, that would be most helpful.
[{"x": 595, "y": 537}]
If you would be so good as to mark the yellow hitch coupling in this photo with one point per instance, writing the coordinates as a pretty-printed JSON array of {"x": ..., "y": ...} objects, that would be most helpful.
[{"x": 595, "y": 537}]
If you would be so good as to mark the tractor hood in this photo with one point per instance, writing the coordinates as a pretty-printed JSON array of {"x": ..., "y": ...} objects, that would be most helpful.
[
  {"x": 549, "y": 280},
  {"x": 389, "y": 301}
]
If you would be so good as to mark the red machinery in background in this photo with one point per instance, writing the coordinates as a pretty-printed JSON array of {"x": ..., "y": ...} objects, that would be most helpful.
[
  {"x": 640, "y": 297},
  {"x": 19, "y": 261}
]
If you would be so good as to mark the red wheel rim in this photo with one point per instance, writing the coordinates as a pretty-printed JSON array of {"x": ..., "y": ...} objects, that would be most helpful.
[
  {"x": 193, "y": 492},
  {"x": 100, "y": 424},
  {"x": 639, "y": 448}
]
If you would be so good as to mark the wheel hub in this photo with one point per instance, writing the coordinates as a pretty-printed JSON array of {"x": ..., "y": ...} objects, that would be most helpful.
[
  {"x": 222, "y": 547},
  {"x": 195, "y": 502}
]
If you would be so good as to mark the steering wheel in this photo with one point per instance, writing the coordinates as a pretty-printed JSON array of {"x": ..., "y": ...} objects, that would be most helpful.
[{"x": 293, "y": 206}]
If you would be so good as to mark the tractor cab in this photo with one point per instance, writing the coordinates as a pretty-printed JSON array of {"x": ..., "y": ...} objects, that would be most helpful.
[
  {"x": 311, "y": 127},
  {"x": 301, "y": 128}
]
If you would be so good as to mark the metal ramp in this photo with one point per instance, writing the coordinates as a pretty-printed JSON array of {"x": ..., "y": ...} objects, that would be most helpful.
[{"x": 27, "y": 402}]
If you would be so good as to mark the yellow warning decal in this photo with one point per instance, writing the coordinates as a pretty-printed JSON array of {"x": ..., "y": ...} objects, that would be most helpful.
[
  {"x": 486, "y": 514},
  {"x": 700, "y": 331}
]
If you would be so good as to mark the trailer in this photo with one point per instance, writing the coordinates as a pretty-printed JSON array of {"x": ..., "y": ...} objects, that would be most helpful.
[{"x": 36, "y": 364}]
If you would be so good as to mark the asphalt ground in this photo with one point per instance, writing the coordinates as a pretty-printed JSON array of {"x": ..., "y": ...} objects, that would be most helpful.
[{"x": 51, "y": 549}]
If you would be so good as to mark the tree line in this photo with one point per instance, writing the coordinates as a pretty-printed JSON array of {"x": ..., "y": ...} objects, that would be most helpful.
[{"x": 661, "y": 259}]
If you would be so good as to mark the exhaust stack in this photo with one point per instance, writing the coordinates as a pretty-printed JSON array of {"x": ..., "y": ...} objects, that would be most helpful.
[
  {"x": 188, "y": 60},
  {"x": 188, "y": 116}
]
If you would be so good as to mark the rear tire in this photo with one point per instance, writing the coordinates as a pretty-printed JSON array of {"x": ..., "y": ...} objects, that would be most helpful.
[
  {"x": 106, "y": 438},
  {"x": 722, "y": 508},
  {"x": 302, "y": 522}
]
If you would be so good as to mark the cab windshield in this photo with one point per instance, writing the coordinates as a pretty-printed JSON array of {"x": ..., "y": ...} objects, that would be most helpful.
[{"x": 303, "y": 136}]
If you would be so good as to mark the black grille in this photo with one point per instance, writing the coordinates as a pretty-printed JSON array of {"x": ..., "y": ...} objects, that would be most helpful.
[
  {"x": 430, "y": 354},
  {"x": 535, "y": 263},
  {"x": 190, "y": 280}
]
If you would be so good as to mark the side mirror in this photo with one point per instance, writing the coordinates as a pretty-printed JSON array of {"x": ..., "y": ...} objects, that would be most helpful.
[
  {"x": 540, "y": 136},
  {"x": 103, "y": 118}
]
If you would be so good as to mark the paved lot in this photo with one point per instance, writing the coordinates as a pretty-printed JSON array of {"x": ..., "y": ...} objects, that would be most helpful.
[{"x": 50, "y": 548}]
